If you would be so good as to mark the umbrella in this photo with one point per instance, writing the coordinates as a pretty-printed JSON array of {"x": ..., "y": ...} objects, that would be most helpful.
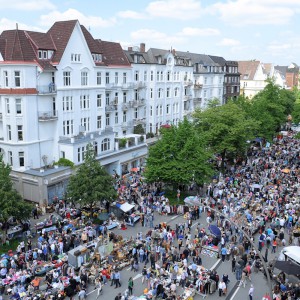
[
  {"x": 214, "y": 230},
  {"x": 192, "y": 200},
  {"x": 288, "y": 267},
  {"x": 285, "y": 171},
  {"x": 134, "y": 169}
]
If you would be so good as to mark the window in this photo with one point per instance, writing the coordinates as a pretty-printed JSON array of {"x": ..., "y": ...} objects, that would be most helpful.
[
  {"x": 151, "y": 76},
  {"x": 10, "y": 157},
  {"x": 99, "y": 78},
  {"x": 136, "y": 75},
  {"x": 21, "y": 159},
  {"x": 151, "y": 111},
  {"x": 17, "y": 78},
  {"x": 84, "y": 78},
  {"x": 150, "y": 127},
  {"x": 220, "y": 79},
  {"x": 161, "y": 76},
  {"x": 161, "y": 110},
  {"x": 62, "y": 154},
  {"x": 67, "y": 78},
  {"x": 151, "y": 93},
  {"x": 160, "y": 92},
  {"x": 5, "y": 75},
  {"x": 7, "y": 105},
  {"x": 116, "y": 77},
  {"x": 68, "y": 127},
  {"x": 18, "y": 106},
  {"x": 99, "y": 100},
  {"x": 95, "y": 144},
  {"x": 124, "y": 116},
  {"x": 105, "y": 145},
  {"x": 176, "y": 94},
  {"x": 169, "y": 76},
  {"x": 116, "y": 100},
  {"x": 205, "y": 80},
  {"x": 107, "y": 77},
  {"x": 99, "y": 122},
  {"x": 145, "y": 75},
  {"x": 97, "y": 57},
  {"x": 124, "y": 97},
  {"x": 168, "y": 109},
  {"x": 80, "y": 153},
  {"x": 157, "y": 110},
  {"x": 8, "y": 132},
  {"x": 136, "y": 95},
  {"x": 67, "y": 103},
  {"x": 85, "y": 123},
  {"x": 107, "y": 98},
  {"x": 75, "y": 57},
  {"x": 20, "y": 132},
  {"x": 107, "y": 120},
  {"x": 135, "y": 113},
  {"x": 84, "y": 101},
  {"x": 116, "y": 118},
  {"x": 168, "y": 92},
  {"x": 124, "y": 77}
]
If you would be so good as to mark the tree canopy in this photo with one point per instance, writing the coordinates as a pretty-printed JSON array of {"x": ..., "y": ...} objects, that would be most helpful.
[
  {"x": 179, "y": 157},
  {"x": 226, "y": 129},
  {"x": 91, "y": 183},
  {"x": 11, "y": 202}
]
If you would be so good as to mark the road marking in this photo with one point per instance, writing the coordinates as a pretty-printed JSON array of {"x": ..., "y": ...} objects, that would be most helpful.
[
  {"x": 235, "y": 292},
  {"x": 174, "y": 217},
  {"x": 91, "y": 292},
  {"x": 215, "y": 264},
  {"x": 137, "y": 277},
  {"x": 128, "y": 269},
  {"x": 194, "y": 225}
]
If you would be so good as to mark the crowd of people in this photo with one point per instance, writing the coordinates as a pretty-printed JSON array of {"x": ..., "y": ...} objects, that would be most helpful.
[{"x": 257, "y": 198}]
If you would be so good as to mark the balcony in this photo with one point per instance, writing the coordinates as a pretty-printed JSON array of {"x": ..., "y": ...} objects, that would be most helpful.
[
  {"x": 125, "y": 125},
  {"x": 197, "y": 100},
  {"x": 137, "y": 103},
  {"x": 111, "y": 108},
  {"x": 139, "y": 85},
  {"x": 108, "y": 129},
  {"x": 45, "y": 116},
  {"x": 187, "y": 97},
  {"x": 49, "y": 89},
  {"x": 198, "y": 86},
  {"x": 188, "y": 82},
  {"x": 125, "y": 106},
  {"x": 127, "y": 86},
  {"x": 139, "y": 121}
]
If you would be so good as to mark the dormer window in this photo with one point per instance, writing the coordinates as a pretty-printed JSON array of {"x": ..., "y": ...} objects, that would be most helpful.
[
  {"x": 97, "y": 57},
  {"x": 159, "y": 60},
  {"x": 45, "y": 54}
]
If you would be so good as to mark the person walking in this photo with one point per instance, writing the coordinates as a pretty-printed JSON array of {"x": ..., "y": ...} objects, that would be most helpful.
[
  {"x": 130, "y": 286},
  {"x": 117, "y": 279},
  {"x": 250, "y": 293}
]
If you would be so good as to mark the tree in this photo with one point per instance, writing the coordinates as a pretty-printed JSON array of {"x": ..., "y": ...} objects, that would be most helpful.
[
  {"x": 226, "y": 129},
  {"x": 270, "y": 108},
  {"x": 91, "y": 183},
  {"x": 179, "y": 157},
  {"x": 11, "y": 202}
]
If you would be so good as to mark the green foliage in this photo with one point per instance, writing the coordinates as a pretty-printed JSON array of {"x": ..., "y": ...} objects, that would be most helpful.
[
  {"x": 296, "y": 109},
  {"x": 214, "y": 102},
  {"x": 11, "y": 245},
  {"x": 11, "y": 202},
  {"x": 178, "y": 157},
  {"x": 270, "y": 108},
  {"x": 138, "y": 129},
  {"x": 225, "y": 129},
  {"x": 141, "y": 138},
  {"x": 122, "y": 142},
  {"x": 297, "y": 136},
  {"x": 91, "y": 183},
  {"x": 149, "y": 135},
  {"x": 65, "y": 162}
]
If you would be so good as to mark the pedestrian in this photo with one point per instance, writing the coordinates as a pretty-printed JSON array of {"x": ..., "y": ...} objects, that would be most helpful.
[
  {"x": 130, "y": 285},
  {"x": 222, "y": 288},
  {"x": 98, "y": 286},
  {"x": 250, "y": 293},
  {"x": 112, "y": 277},
  {"x": 117, "y": 279},
  {"x": 233, "y": 264},
  {"x": 266, "y": 255}
]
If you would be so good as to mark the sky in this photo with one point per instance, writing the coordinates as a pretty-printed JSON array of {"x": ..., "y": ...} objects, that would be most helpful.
[{"x": 264, "y": 30}]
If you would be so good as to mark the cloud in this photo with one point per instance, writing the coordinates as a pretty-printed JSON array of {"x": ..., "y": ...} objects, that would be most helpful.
[
  {"x": 6, "y": 24},
  {"x": 73, "y": 14},
  {"x": 153, "y": 37},
  {"x": 27, "y": 5},
  {"x": 130, "y": 14},
  {"x": 255, "y": 12},
  {"x": 228, "y": 42},
  {"x": 176, "y": 9},
  {"x": 193, "y": 31}
]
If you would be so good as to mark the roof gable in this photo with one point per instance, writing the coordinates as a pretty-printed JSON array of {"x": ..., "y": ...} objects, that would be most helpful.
[
  {"x": 113, "y": 54},
  {"x": 248, "y": 69}
]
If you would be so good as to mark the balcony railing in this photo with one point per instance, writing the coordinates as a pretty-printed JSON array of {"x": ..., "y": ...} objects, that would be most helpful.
[
  {"x": 45, "y": 116},
  {"x": 197, "y": 99},
  {"x": 188, "y": 82},
  {"x": 198, "y": 86},
  {"x": 47, "y": 89},
  {"x": 110, "y": 108},
  {"x": 137, "y": 103},
  {"x": 125, "y": 106},
  {"x": 139, "y": 121}
]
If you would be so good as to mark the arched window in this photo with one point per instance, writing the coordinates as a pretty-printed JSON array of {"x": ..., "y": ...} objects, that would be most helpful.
[{"x": 105, "y": 145}]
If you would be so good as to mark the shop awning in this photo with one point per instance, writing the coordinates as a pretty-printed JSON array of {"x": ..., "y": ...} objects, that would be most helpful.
[{"x": 126, "y": 207}]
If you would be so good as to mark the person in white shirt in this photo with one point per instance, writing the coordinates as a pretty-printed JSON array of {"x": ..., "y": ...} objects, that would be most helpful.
[
  {"x": 250, "y": 293},
  {"x": 222, "y": 288}
]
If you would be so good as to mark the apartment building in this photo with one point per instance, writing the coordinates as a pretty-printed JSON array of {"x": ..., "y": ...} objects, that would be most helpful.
[{"x": 61, "y": 90}]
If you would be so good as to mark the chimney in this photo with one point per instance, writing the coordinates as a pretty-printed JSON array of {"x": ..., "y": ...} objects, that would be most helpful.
[
  {"x": 142, "y": 47},
  {"x": 129, "y": 48}
]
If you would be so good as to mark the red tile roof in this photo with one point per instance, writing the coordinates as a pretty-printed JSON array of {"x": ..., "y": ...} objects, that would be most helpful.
[
  {"x": 248, "y": 69},
  {"x": 41, "y": 40},
  {"x": 113, "y": 54}
]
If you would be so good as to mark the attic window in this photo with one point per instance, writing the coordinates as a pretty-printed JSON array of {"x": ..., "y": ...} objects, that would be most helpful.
[
  {"x": 97, "y": 57},
  {"x": 44, "y": 54},
  {"x": 75, "y": 57},
  {"x": 246, "y": 76}
]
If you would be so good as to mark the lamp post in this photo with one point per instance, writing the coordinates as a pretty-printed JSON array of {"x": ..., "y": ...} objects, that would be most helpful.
[{"x": 252, "y": 244}]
